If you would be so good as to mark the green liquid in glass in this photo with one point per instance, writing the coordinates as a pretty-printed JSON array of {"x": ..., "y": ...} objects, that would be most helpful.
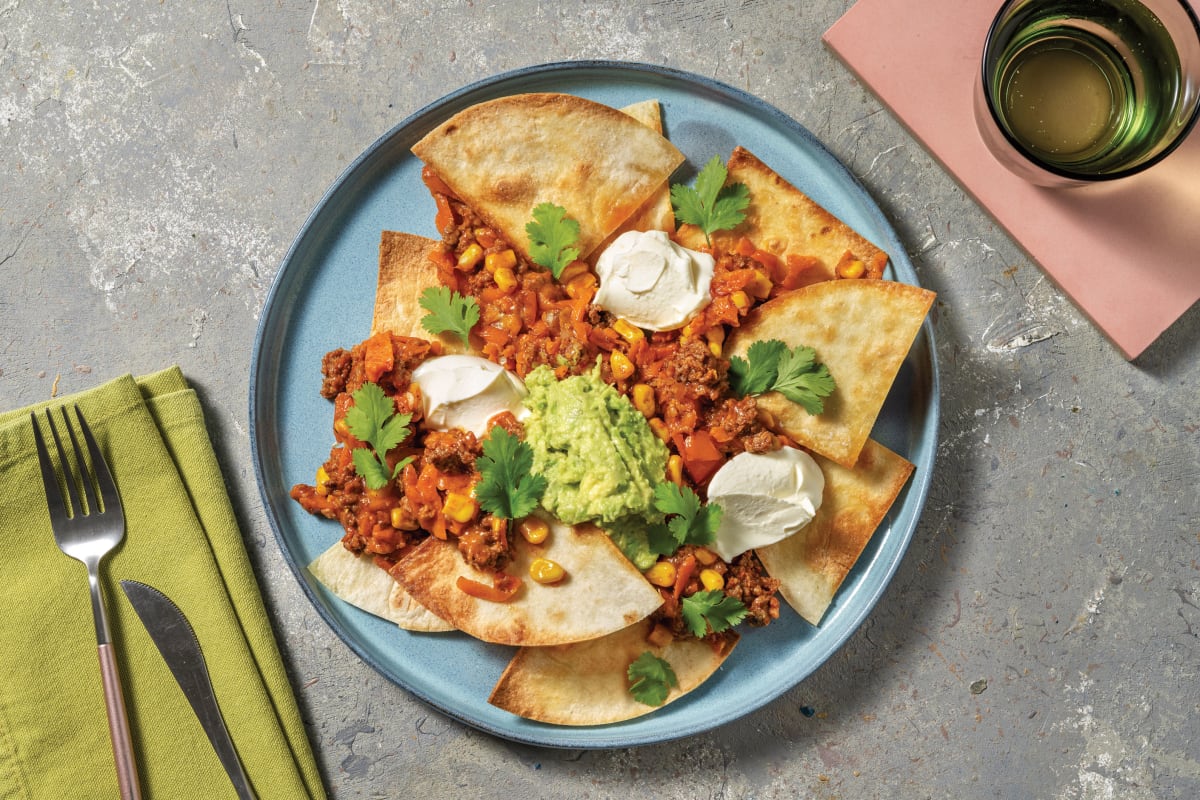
[{"x": 1088, "y": 86}]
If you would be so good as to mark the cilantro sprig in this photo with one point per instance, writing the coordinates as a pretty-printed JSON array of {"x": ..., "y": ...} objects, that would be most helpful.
[
  {"x": 711, "y": 610},
  {"x": 373, "y": 419},
  {"x": 552, "y": 236},
  {"x": 650, "y": 679},
  {"x": 793, "y": 372},
  {"x": 448, "y": 311},
  {"x": 689, "y": 521},
  {"x": 711, "y": 205},
  {"x": 507, "y": 487}
]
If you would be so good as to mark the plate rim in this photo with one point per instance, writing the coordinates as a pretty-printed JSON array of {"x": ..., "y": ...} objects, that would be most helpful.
[{"x": 925, "y": 345}]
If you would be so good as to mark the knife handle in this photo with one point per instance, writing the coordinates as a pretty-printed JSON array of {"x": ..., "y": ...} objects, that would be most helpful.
[{"x": 118, "y": 725}]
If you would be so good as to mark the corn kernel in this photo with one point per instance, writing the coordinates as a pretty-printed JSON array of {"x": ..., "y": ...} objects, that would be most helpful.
[
  {"x": 740, "y": 299},
  {"x": 322, "y": 481},
  {"x": 643, "y": 399},
  {"x": 581, "y": 285},
  {"x": 505, "y": 259},
  {"x": 662, "y": 574},
  {"x": 543, "y": 570},
  {"x": 469, "y": 258},
  {"x": 459, "y": 507},
  {"x": 622, "y": 367},
  {"x": 675, "y": 470},
  {"x": 854, "y": 269},
  {"x": 659, "y": 429},
  {"x": 534, "y": 529},
  {"x": 715, "y": 349},
  {"x": 759, "y": 285},
  {"x": 630, "y": 333},
  {"x": 341, "y": 427},
  {"x": 710, "y": 579},
  {"x": 402, "y": 520},
  {"x": 505, "y": 279}
]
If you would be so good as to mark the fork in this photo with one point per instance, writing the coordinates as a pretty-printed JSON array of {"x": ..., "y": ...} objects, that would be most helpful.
[{"x": 87, "y": 531}]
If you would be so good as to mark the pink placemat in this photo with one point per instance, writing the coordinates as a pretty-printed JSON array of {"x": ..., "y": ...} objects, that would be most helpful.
[{"x": 1127, "y": 252}]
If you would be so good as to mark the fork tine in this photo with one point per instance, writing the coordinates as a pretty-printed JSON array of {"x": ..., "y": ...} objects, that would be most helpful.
[
  {"x": 104, "y": 478},
  {"x": 58, "y": 511},
  {"x": 68, "y": 474},
  {"x": 87, "y": 492}
]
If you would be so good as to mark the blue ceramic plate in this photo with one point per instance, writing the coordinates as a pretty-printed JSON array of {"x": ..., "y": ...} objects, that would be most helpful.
[{"x": 322, "y": 299}]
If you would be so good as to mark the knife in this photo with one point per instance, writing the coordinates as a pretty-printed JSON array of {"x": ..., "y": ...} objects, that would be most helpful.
[{"x": 176, "y": 641}]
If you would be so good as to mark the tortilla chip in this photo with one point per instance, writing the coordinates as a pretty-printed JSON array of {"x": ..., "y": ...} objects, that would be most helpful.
[
  {"x": 602, "y": 592},
  {"x": 783, "y": 220},
  {"x": 586, "y": 684},
  {"x": 359, "y": 582},
  {"x": 404, "y": 272},
  {"x": 505, "y": 156},
  {"x": 812, "y": 563},
  {"x": 862, "y": 330},
  {"x": 656, "y": 214}
]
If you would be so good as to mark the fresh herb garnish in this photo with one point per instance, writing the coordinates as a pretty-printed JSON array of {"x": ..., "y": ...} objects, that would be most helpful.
[
  {"x": 373, "y": 419},
  {"x": 651, "y": 679},
  {"x": 711, "y": 205},
  {"x": 507, "y": 487},
  {"x": 551, "y": 236},
  {"x": 711, "y": 609},
  {"x": 794, "y": 373},
  {"x": 690, "y": 522},
  {"x": 448, "y": 311}
]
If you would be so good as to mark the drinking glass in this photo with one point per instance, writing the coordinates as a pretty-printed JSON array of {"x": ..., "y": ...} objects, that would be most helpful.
[{"x": 1079, "y": 91}]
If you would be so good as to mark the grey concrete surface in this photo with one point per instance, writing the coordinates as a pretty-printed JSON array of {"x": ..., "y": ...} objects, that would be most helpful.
[{"x": 1040, "y": 639}]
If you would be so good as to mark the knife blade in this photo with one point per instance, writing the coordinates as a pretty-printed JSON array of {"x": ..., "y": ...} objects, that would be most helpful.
[{"x": 172, "y": 634}]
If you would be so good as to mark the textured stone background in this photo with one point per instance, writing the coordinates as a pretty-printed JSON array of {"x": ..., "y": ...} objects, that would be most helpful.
[{"x": 1040, "y": 639}]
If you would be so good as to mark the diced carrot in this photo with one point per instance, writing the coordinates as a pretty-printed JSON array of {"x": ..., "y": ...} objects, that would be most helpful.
[{"x": 378, "y": 356}]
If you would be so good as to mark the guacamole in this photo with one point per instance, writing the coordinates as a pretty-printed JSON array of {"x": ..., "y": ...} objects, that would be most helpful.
[{"x": 600, "y": 459}]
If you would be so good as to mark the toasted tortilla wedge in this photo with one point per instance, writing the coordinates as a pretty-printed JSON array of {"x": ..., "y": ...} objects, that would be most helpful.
[
  {"x": 586, "y": 684},
  {"x": 783, "y": 220},
  {"x": 359, "y": 582},
  {"x": 404, "y": 272},
  {"x": 656, "y": 214},
  {"x": 812, "y": 563},
  {"x": 861, "y": 330},
  {"x": 505, "y": 156},
  {"x": 602, "y": 592}
]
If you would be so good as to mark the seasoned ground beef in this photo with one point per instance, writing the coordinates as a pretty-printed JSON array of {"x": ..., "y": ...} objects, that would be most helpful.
[
  {"x": 335, "y": 366},
  {"x": 485, "y": 545},
  {"x": 748, "y": 581},
  {"x": 452, "y": 451}
]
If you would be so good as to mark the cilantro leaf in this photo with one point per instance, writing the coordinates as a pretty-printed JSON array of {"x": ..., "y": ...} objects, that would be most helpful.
[
  {"x": 803, "y": 381},
  {"x": 373, "y": 420},
  {"x": 650, "y": 679},
  {"x": 693, "y": 522},
  {"x": 758, "y": 374},
  {"x": 507, "y": 487},
  {"x": 773, "y": 367},
  {"x": 711, "y": 609},
  {"x": 448, "y": 311},
  {"x": 551, "y": 236},
  {"x": 711, "y": 205}
]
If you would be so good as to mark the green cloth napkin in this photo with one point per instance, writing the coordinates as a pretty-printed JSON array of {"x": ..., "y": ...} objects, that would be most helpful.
[{"x": 181, "y": 538}]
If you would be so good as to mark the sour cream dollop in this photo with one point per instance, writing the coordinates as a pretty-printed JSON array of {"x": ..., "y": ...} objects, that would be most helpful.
[
  {"x": 651, "y": 281},
  {"x": 460, "y": 391},
  {"x": 765, "y": 497}
]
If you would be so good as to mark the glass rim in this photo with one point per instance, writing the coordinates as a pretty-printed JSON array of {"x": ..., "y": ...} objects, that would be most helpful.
[{"x": 1083, "y": 177}]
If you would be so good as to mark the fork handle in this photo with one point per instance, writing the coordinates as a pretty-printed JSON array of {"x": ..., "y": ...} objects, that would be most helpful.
[{"x": 118, "y": 725}]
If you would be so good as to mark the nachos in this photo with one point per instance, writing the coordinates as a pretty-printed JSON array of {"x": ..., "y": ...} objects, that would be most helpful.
[{"x": 605, "y": 418}]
